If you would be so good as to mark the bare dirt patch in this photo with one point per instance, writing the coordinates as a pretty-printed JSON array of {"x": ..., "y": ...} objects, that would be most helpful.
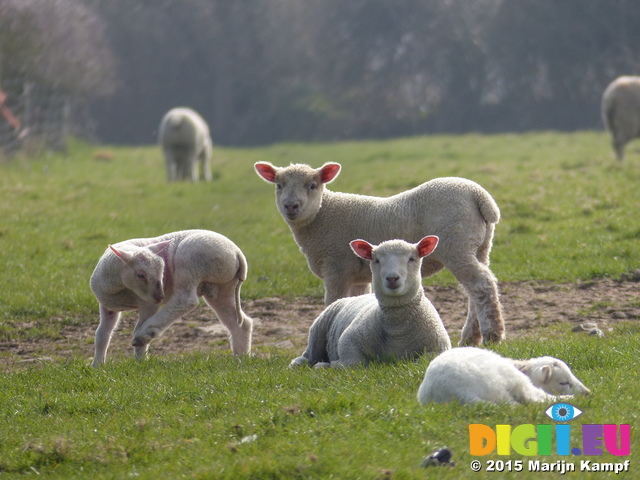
[{"x": 284, "y": 323}]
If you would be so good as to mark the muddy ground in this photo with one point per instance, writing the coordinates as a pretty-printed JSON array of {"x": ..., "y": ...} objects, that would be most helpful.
[{"x": 284, "y": 323}]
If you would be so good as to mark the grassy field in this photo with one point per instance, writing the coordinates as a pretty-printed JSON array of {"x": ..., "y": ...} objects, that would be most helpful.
[{"x": 569, "y": 213}]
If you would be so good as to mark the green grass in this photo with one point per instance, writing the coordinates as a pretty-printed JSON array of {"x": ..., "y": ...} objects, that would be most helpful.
[
  {"x": 565, "y": 204},
  {"x": 568, "y": 213},
  {"x": 217, "y": 417}
]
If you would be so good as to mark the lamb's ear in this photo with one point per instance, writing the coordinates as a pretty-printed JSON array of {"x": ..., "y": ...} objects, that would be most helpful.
[
  {"x": 546, "y": 372},
  {"x": 427, "y": 245},
  {"x": 329, "y": 171},
  {"x": 266, "y": 171},
  {"x": 124, "y": 255},
  {"x": 157, "y": 248},
  {"x": 362, "y": 248}
]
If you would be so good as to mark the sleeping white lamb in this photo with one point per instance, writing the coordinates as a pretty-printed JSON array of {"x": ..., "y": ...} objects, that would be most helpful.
[
  {"x": 468, "y": 375},
  {"x": 459, "y": 211},
  {"x": 396, "y": 321},
  {"x": 171, "y": 271}
]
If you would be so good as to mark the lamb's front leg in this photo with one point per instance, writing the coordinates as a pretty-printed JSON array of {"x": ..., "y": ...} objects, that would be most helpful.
[
  {"x": 180, "y": 303},
  {"x": 108, "y": 322},
  {"x": 145, "y": 312},
  {"x": 335, "y": 287}
]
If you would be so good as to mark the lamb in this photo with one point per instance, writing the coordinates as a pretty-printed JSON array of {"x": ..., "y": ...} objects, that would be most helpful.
[
  {"x": 469, "y": 375},
  {"x": 185, "y": 140},
  {"x": 396, "y": 321},
  {"x": 460, "y": 212},
  {"x": 621, "y": 112},
  {"x": 171, "y": 271}
]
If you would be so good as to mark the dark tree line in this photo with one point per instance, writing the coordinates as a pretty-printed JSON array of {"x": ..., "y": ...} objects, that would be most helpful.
[{"x": 262, "y": 71}]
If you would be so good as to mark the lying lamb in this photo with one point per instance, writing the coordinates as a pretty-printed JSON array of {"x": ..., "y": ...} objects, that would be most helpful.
[
  {"x": 469, "y": 375},
  {"x": 621, "y": 112},
  {"x": 173, "y": 270},
  {"x": 396, "y": 321},
  {"x": 460, "y": 212},
  {"x": 185, "y": 141}
]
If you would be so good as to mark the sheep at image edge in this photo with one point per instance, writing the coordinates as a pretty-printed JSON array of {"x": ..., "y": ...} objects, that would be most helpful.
[
  {"x": 162, "y": 278},
  {"x": 396, "y": 321},
  {"x": 621, "y": 112},
  {"x": 460, "y": 212}
]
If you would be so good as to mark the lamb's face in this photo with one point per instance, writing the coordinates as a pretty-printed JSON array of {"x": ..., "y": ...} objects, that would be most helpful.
[
  {"x": 395, "y": 264},
  {"x": 395, "y": 268},
  {"x": 555, "y": 377},
  {"x": 143, "y": 275},
  {"x": 299, "y": 188},
  {"x": 298, "y": 193}
]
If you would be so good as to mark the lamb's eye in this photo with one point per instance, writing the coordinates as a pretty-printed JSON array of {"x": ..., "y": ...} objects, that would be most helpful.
[
  {"x": 141, "y": 276},
  {"x": 412, "y": 259},
  {"x": 313, "y": 186},
  {"x": 376, "y": 261},
  {"x": 278, "y": 186},
  {"x": 564, "y": 383}
]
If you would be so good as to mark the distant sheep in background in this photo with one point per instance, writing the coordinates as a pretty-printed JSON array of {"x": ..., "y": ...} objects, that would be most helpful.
[
  {"x": 470, "y": 375},
  {"x": 460, "y": 212},
  {"x": 396, "y": 321},
  {"x": 172, "y": 270},
  {"x": 185, "y": 141},
  {"x": 621, "y": 112}
]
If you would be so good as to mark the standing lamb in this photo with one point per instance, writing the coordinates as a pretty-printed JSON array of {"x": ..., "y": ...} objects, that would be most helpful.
[
  {"x": 172, "y": 270},
  {"x": 470, "y": 375},
  {"x": 185, "y": 141},
  {"x": 621, "y": 112},
  {"x": 396, "y": 321},
  {"x": 460, "y": 212}
]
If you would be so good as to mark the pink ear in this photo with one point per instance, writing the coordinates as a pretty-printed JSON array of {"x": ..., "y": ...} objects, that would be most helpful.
[
  {"x": 362, "y": 248},
  {"x": 157, "y": 248},
  {"x": 329, "y": 171},
  {"x": 427, "y": 245},
  {"x": 266, "y": 171},
  {"x": 120, "y": 253}
]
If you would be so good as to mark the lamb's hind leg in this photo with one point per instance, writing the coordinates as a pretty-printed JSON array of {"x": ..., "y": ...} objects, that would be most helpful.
[
  {"x": 485, "y": 311},
  {"x": 471, "y": 334},
  {"x": 222, "y": 299}
]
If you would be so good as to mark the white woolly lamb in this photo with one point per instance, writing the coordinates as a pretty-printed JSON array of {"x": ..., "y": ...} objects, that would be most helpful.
[
  {"x": 185, "y": 141},
  {"x": 621, "y": 112},
  {"x": 469, "y": 375},
  {"x": 397, "y": 321},
  {"x": 172, "y": 270},
  {"x": 460, "y": 212}
]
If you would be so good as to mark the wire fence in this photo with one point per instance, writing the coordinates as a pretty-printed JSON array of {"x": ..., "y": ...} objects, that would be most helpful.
[{"x": 32, "y": 116}]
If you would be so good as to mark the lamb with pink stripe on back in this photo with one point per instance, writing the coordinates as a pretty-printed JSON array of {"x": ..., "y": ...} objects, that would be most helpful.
[{"x": 163, "y": 278}]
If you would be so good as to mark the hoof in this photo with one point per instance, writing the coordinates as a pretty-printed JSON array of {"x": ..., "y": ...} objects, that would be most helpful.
[
  {"x": 492, "y": 338},
  {"x": 472, "y": 342},
  {"x": 142, "y": 339},
  {"x": 298, "y": 362},
  {"x": 138, "y": 342}
]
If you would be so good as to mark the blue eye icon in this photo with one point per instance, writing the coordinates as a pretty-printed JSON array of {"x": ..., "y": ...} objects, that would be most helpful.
[{"x": 563, "y": 412}]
